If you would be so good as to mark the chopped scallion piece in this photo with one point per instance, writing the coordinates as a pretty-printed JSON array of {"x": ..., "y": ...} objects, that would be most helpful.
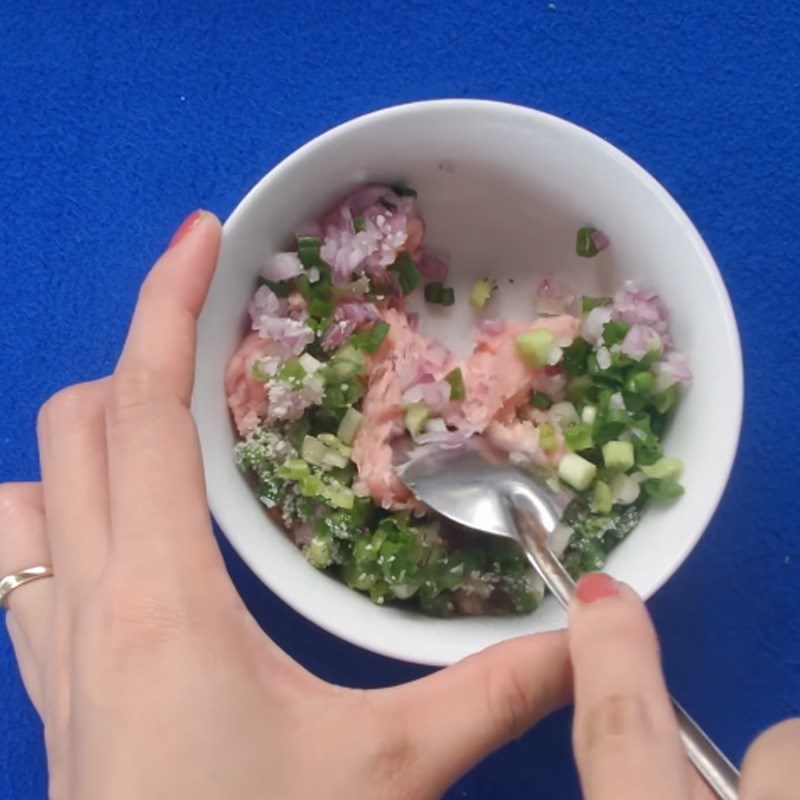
[
  {"x": 348, "y": 427},
  {"x": 308, "y": 250},
  {"x": 402, "y": 191},
  {"x": 536, "y": 347},
  {"x": 433, "y": 292},
  {"x": 369, "y": 339},
  {"x": 589, "y": 303},
  {"x": 455, "y": 378},
  {"x": 407, "y": 273},
  {"x": 448, "y": 296},
  {"x": 584, "y": 243},
  {"x": 578, "y": 436},
  {"x": 481, "y": 292},
  {"x": 547, "y": 437},
  {"x": 292, "y": 372},
  {"x": 259, "y": 373},
  {"x": 359, "y": 224},
  {"x": 663, "y": 488},
  {"x": 541, "y": 401},
  {"x": 664, "y": 468}
]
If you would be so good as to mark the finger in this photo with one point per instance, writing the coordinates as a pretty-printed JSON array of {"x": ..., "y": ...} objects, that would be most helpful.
[
  {"x": 625, "y": 735},
  {"x": 771, "y": 768},
  {"x": 23, "y": 543},
  {"x": 158, "y": 506},
  {"x": 72, "y": 452},
  {"x": 462, "y": 713}
]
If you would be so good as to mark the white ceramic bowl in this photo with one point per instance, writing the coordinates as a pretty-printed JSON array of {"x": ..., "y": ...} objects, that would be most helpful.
[{"x": 502, "y": 189}]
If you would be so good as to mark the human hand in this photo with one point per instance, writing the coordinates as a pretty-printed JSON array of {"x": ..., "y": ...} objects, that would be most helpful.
[
  {"x": 625, "y": 735},
  {"x": 152, "y": 679}
]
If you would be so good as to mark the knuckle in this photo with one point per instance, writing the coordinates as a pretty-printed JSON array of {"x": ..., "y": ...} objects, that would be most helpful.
[
  {"x": 67, "y": 408},
  {"x": 508, "y": 700},
  {"x": 132, "y": 386},
  {"x": 616, "y": 723},
  {"x": 131, "y": 617}
]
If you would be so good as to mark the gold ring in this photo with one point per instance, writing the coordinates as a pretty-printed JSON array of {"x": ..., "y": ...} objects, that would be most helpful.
[{"x": 17, "y": 579}]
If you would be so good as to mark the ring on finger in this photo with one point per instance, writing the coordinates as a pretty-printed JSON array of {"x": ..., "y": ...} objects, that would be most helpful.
[{"x": 16, "y": 579}]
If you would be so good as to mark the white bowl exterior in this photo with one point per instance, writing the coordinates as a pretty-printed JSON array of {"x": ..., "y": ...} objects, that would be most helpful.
[{"x": 503, "y": 190}]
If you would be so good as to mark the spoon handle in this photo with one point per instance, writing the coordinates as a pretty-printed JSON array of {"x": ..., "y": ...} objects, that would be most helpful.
[{"x": 709, "y": 761}]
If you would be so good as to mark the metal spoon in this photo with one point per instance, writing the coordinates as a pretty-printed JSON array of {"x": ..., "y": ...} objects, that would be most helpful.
[{"x": 468, "y": 485}]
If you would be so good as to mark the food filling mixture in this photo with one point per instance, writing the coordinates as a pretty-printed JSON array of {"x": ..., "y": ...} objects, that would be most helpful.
[{"x": 335, "y": 385}]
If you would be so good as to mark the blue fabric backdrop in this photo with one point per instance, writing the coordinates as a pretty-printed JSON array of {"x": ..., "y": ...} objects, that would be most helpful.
[{"x": 116, "y": 119}]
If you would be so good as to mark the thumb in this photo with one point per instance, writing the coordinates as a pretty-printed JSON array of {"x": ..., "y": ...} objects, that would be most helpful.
[{"x": 461, "y": 714}]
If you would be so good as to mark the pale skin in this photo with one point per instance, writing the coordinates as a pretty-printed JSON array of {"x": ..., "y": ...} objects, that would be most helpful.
[{"x": 153, "y": 680}]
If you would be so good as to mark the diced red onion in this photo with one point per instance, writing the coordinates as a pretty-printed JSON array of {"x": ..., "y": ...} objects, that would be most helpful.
[
  {"x": 293, "y": 334},
  {"x": 356, "y": 310},
  {"x": 492, "y": 327},
  {"x": 433, "y": 269},
  {"x": 283, "y": 266},
  {"x": 264, "y": 303},
  {"x": 434, "y": 394},
  {"x": 639, "y": 307},
  {"x": 673, "y": 368},
  {"x": 600, "y": 240},
  {"x": 553, "y": 296},
  {"x": 337, "y": 332},
  {"x": 639, "y": 341}
]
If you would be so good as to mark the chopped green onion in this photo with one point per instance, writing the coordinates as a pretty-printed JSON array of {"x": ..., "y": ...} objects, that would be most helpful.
[
  {"x": 278, "y": 288},
  {"x": 447, "y": 297},
  {"x": 614, "y": 332},
  {"x": 407, "y": 273},
  {"x": 590, "y": 303},
  {"x": 292, "y": 372},
  {"x": 564, "y": 413},
  {"x": 618, "y": 456},
  {"x": 320, "y": 306},
  {"x": 294, "y": 469},
  {"x": 536, "y": 347},
  {"x": 541, "y": 401},
  {"x": 348, "y": 427},
  {"x": 259, "y": 373},
  {"x": 319, "y": 552},
  {"x": 576, "y": 471},
  {"x": 663, "y": 401},
  {"x": 664, "y": 468},
  {"x": 602, "y": 498},
  {"x": 313, "y": 451},
  {"x": 359, "y": 224},
  {"x": 417, "y": 415},
  {"x": 458, "y": 391},
  {"x": 369, "y": 339},
  {"x": 433, "y": 292},
  {"x": 576, "y": 357},
  {"x": 402, "y": 191},
  {"x": 308, "y": 250},
  {"x": 663, "y": 488},
  {"x": 482, "y": 291},
  {"x": 584, "y": 243},
  {"x": 547, "y": 437},
  {"x": 640, "y": 382},
  {"x": 578, "y": 436}
]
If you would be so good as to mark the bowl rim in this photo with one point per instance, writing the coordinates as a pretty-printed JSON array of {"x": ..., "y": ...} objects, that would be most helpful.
[{"x": 344, "y": 628}]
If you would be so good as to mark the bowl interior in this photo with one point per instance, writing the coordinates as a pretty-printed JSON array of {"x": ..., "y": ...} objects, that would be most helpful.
[{"x": 502, "y": 190}]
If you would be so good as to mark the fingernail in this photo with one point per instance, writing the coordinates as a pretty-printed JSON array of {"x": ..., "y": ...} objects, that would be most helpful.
[
  {"x": 596, "y": 586},
  {"x": 185, "y": 227}
]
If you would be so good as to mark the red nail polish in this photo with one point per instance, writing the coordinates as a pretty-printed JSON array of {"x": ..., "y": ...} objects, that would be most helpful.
[
  {"x": 596, "y": 586},
  {"x": 185, "y": 227}
]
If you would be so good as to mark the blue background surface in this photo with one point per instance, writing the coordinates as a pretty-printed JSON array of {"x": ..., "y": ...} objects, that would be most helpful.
[{"x": 118, "y": 119}]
